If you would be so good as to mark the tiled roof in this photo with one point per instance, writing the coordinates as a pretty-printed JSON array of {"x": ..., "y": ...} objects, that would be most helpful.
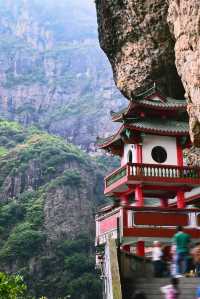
[
  {"x": 119, "y": 113},
  {"x": 162, "y": 125},
  {"x": 101, "y": 141},
  {"x": 168, "y": 104},
  {"x": 149, "y": 92},
  {"x": 152, "y": 126},
  {"x": 151, "y": 98}
]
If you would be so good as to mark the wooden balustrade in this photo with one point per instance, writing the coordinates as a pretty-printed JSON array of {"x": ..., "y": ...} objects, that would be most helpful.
[
  {"x": 153, "y": 170},
  {"x": 168, "y": 171},
  {"x": 117, "y": 175}
]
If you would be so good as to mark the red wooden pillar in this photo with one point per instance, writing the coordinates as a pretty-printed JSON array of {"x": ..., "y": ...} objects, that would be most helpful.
[
  {"x": 139, "y": 196},
  {"x": 164, "y": 203},
  {"x": 180, "y": 200},
  {"x": 124, "y": 200},
  {"x": 140, "y": 250},
  {"x": 179, "y": 153},
  {"x": 126, "y": 248},
  {"x": 139, "y": 153}
]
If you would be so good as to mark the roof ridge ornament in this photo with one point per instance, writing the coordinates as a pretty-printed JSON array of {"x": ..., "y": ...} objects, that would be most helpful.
[
  {"x": 155, "y": 91},
  {"x": 146, "y": 94}
]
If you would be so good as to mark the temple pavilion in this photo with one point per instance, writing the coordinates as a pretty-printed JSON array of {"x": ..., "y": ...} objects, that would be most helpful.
[{"x": 150, "y": 188}]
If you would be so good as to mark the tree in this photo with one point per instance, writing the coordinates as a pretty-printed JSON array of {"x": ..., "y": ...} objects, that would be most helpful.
[{"x": 12, "y": 286}]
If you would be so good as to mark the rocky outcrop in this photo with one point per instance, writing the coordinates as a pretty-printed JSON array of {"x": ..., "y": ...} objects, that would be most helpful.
[
  {"x": 184, "y": 21},
  {"x": 136, "y": 38},
  {"x": 159, "y": 41}
]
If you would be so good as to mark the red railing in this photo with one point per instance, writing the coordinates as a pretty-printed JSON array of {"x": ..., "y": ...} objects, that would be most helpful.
[{"x": 153, "y": 170}]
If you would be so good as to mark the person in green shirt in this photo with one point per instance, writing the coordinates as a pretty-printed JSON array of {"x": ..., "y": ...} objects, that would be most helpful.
[{"x": 182, "y": 242}]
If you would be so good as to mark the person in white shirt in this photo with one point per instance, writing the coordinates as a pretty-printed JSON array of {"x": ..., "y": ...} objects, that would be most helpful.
[{"x": 157, "y": 259}]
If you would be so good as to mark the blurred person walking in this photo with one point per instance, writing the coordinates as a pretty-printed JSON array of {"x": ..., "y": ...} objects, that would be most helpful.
[
  {"x": 171, "y": 291},
  {"x": 196, "y": 258},
  {"x": 182, "y": 242},
  {"x": 157, "y": 259}
]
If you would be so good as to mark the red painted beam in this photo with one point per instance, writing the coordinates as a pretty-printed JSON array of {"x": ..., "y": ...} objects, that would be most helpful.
[
  {"x": 166, "y": 188},
  {"x": 157, "y": 232}
]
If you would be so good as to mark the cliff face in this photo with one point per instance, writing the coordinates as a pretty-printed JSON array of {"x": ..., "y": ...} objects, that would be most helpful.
[
  {"x": 149, "y": 41},
  {"x": 136, "y": 38},
  {"x": 52, "y": 72},
  {"x": 49, "y": 193},
  {"x": 184, "y": 21}
]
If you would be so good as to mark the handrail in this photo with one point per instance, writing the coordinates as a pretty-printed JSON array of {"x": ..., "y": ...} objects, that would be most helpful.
[
  {"x": 163, "y": 165},
  {"x": 153, "y": 170},
  {"x": 171, "y": 171},
  {"x": 115, "y": 176},
  {"x": 116, "y": 171}
]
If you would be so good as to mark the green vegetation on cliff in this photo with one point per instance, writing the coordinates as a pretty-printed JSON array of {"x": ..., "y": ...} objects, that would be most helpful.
[
  {"x": 12, "y": 287},
  {"x": 49, "y": 190}
]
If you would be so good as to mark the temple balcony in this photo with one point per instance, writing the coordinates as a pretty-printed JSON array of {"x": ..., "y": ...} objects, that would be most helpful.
[
  {"x": 157, "y": 180},
  {"x": 130, "y": 224}
]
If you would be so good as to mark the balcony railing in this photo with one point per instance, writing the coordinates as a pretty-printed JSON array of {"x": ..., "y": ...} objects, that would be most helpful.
[{"x": 151, "y": 170}]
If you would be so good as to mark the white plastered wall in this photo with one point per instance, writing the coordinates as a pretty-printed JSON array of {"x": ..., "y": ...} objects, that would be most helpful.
[
  {"x": 169, "y": 144},
  {"x": 127, "y": 148}
]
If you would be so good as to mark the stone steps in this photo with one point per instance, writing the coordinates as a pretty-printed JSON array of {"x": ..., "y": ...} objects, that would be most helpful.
[{"x": 152, "y": 286}]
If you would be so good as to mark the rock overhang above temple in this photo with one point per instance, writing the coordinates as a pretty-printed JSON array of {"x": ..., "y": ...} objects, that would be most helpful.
[{"x": 151, "y": 101}]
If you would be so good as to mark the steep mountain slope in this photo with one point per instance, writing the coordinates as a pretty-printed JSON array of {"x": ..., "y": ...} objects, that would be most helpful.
[
  {"x": 49, "y": 193},
  {"x": 52, "y": 72}
]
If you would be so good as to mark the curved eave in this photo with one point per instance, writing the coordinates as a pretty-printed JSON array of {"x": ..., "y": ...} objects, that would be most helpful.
[
  {"x": 110, "y": 140},
  {"x": 161, "y": 106},
  {"x": 158, "y": 131},
  {"x": 182, "y": 107},
  {"x": 118, "y": 116}
]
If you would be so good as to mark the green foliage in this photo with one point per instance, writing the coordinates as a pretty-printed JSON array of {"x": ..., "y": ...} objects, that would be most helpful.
[
  {"x": 69, "y": 177},
  {"x": 11, "y": 133},
  {"x": 107, "y": 163},
  {"x": 12, "y": 286},
  {"x": 49, "y": 152},
  {"x": 86, "y": 284},
  {"x": 3, "y": 151},
  {"x": 11, "y": 213},
  {"x": 22, "y": 243},
  {"x": 78, "y": 264},
  {"x": 69, "y": 247},
  {"x": 70, "y": 263},
  {"x": 77, "y": 276}
]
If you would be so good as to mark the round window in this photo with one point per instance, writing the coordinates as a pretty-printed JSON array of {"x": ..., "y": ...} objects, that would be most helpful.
[{"x": 159, "y": 154}]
